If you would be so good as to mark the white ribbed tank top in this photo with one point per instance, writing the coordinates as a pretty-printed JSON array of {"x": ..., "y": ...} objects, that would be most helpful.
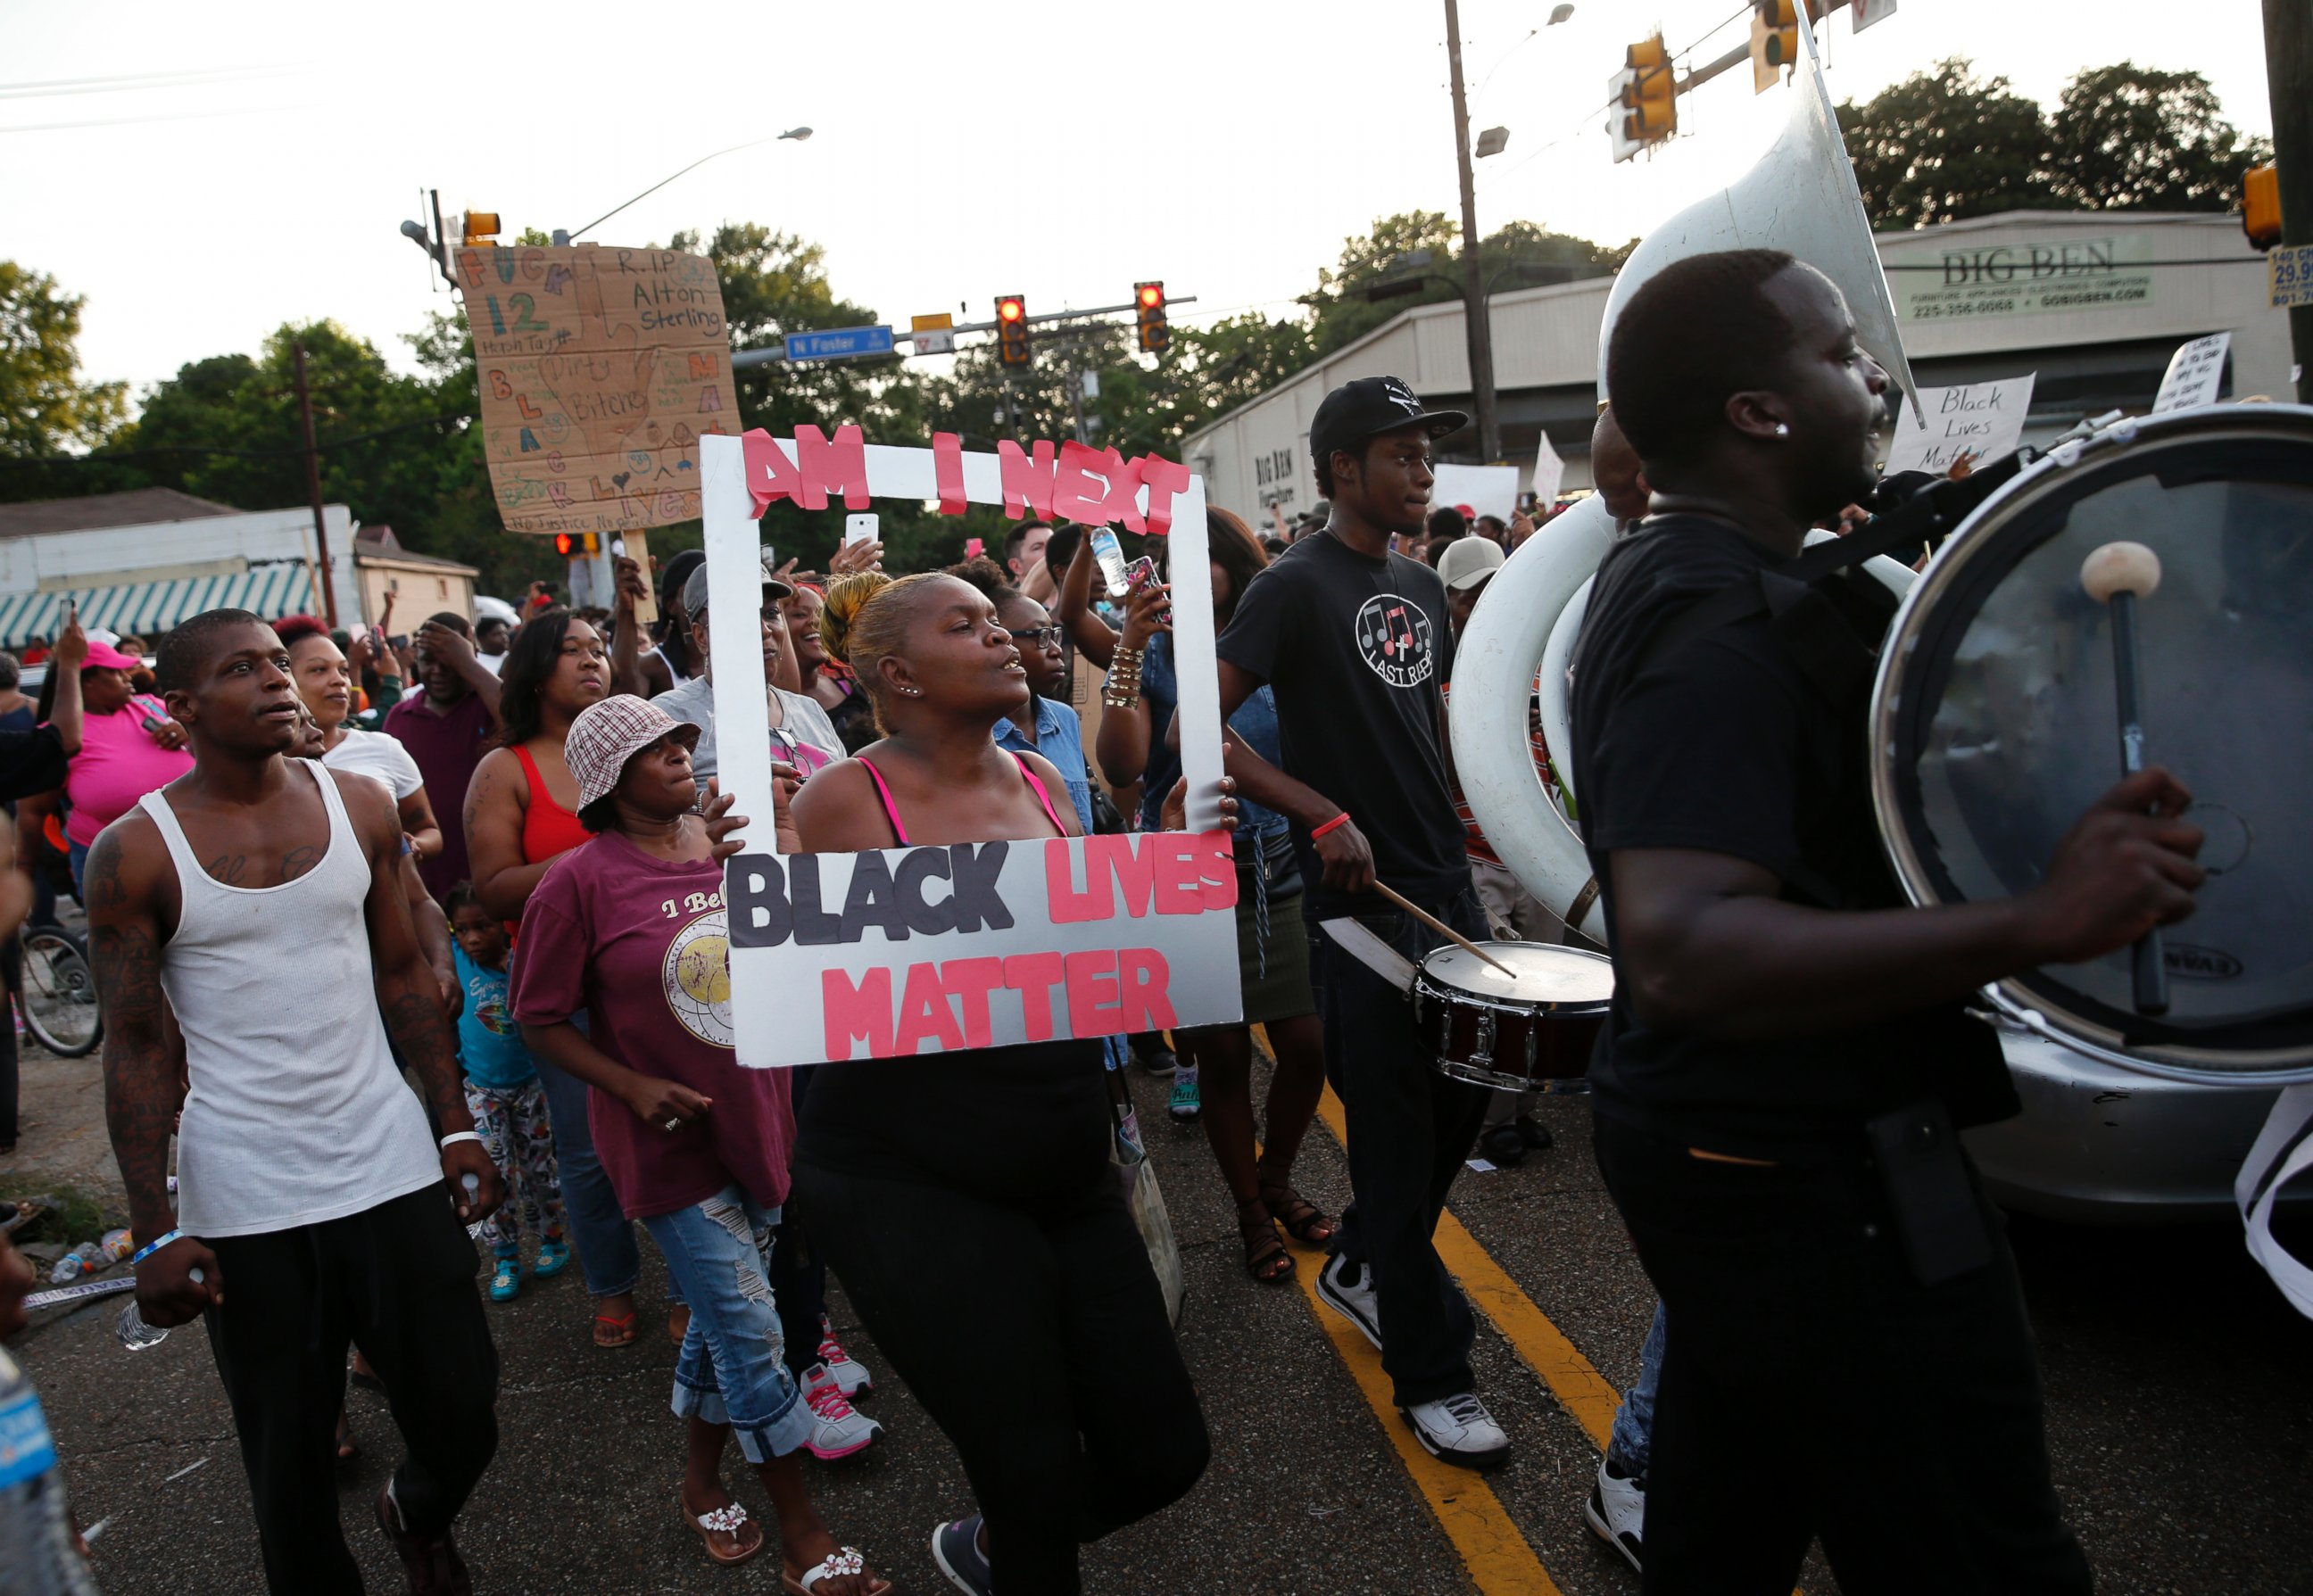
[{"x": 297, "y": 1114}]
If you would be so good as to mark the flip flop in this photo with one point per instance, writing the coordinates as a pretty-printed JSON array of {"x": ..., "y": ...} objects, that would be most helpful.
[
  {"x": 730, "y": 1521},
  {"x": 836, "y": 1565},
  {"x": 621, "y": 1331}
]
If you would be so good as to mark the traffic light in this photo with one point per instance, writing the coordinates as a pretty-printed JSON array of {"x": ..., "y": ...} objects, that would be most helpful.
[
  {"x": 1650, "y": 96},
  {"x": 1774, "y": 41},
  {"x": 573, "y": 546},
  {"x": 1148, "y": 312},
  {"x": 565, "y": 545},
  {"x": 2261, "y": 205},
  {"x": 1012, "y": 330},
  {"x": 481, "y": 227}
]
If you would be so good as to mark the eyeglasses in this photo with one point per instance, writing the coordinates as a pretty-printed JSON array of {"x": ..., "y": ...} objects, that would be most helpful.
[{"x": 1037, "y": 636}]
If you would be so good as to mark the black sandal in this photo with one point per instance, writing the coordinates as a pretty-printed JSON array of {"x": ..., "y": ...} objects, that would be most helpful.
[
  {"x": 1303, "y": 1220},
  {"x": 1266, "y": 1259}
]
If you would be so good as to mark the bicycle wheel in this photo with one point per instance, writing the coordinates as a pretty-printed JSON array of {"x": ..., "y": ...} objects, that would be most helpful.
[{"x": 59, "y": 994}]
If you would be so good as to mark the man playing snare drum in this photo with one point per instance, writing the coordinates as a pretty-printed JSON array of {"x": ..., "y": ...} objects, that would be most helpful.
[{"x": 1790, "y": 1057}]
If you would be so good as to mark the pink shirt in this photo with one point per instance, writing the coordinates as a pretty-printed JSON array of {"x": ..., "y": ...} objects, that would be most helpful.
[{"x": 118, "y": 764}]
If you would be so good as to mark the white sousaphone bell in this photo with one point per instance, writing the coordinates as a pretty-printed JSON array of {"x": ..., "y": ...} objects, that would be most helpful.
[{"x": 1800, "y": 197}]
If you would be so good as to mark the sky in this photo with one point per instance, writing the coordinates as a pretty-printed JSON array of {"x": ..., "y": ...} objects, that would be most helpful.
[{"x": 1061, "y": 150}]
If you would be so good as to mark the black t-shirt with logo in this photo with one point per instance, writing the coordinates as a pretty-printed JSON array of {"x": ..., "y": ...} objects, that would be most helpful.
[
  {"x": 1724, "y": 743},
  {"x": 1355, "y": 648}
]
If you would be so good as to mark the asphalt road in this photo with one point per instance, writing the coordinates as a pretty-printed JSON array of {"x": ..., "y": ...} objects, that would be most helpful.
[{"x": 2180, "y": 1394}]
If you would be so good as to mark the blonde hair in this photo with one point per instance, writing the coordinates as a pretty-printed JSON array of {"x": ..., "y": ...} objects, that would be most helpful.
[{"x": 866, "y": 619}]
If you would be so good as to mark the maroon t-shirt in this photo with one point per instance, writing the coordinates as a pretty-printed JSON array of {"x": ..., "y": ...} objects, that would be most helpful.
[
  {"x": 642, "y": 946},
  {"x": 446, "y": 745}
]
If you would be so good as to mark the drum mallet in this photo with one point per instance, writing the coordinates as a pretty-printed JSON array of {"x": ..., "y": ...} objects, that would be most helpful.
[{"x": 2117, "y": 575}]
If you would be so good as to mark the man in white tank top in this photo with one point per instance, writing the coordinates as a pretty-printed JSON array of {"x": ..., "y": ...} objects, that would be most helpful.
[{"x": 261, "y": 899}]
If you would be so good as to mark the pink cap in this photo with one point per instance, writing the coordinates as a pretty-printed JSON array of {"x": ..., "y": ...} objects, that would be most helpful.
[{"x": 107, "y": 657}]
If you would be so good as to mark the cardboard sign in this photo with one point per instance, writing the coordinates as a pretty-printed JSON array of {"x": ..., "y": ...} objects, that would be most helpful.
[
  {"x": 600, "y": 370},
  {"x": 2195, "y": 371},
  {"x": 1981, "y": 420},
  {"x": 1489, "y": 490},
  {"x": 908, "y": 951}
]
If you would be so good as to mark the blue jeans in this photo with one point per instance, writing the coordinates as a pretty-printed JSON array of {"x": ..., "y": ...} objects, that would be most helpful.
[
  {"x": 1632, "y": 1445},
  {"x": 733, "y": 1367},
  {"x": 76, "y": 854},
  {"x": 607, "y": 1254}
]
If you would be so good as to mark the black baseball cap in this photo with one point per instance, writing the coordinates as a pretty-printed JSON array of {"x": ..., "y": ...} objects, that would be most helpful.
[{"x": 1360, "y": 409}]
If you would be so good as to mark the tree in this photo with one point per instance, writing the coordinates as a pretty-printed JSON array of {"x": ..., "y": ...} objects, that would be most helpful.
[
  {"x": 2129, "y": 137},
  {"x": 1413, "y": 258},
  {"x": 46, "y": 410},
  {"x": 1945, "y": 145}
]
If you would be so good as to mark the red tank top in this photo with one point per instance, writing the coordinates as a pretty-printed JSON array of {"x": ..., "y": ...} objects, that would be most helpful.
[{"x": 547, "y": 828}]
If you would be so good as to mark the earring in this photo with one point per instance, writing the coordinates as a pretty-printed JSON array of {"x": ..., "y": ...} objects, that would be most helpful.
[{"x": 1782, "y": 429}]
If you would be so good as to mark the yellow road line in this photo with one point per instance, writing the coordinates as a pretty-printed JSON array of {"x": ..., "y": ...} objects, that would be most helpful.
[
  {"x": 1585, "y": 1393},
  {"x": 1499, "y": 1561}
]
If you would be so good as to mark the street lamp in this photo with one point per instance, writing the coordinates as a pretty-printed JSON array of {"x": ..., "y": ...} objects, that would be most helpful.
[
  {"x": 797, "y": 133},
  {"x": 1476, "y": 321}
]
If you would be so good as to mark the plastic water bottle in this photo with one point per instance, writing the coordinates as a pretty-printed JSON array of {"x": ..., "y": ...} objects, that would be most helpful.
[
  {"x": 1110, "y": 553},
  {"x": 135, "y": 1334},
  {"x": 117, "y": 1245},
  {"x": 36, "y": 1548},
  {"x": 83, "y": 1260}
]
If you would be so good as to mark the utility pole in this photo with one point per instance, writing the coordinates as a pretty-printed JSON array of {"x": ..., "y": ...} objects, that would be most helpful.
[
  {"x": 2288, "y": 73},
  {"x": 1473, "y": 291},
  {"x": 314, "y": 488}
]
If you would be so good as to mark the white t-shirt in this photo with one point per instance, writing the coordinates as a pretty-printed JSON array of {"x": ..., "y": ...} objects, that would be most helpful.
[
  {"x": 693, "y": 700},
  {"x": 375, "y": 754},
  {"x": 490, "y": 662}
]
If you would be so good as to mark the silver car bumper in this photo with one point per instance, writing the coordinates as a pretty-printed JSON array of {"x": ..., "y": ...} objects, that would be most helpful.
[{"x": 2105, "y": 1145}]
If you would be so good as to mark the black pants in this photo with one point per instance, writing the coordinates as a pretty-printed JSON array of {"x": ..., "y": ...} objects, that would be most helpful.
[
  {"x": 1811, "y": 1387},
  {"x": 11, "y": 981},
  {"x": 798, "y": 1274},
  {"x": 397, "y": 1279},
  {"x": 1410, "y": 1130},
  {"x": 1036, "y": 1340}
]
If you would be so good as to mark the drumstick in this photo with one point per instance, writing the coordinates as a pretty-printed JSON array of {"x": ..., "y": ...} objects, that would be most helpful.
[
  {"x": 2117, "y": 575},
  {"x": 1442, "y": 929}
]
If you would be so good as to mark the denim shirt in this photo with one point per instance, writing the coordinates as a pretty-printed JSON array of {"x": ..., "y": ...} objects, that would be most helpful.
[
  {"x": 1060, "y": 739},
  {"x": 1254, "y": 724}
]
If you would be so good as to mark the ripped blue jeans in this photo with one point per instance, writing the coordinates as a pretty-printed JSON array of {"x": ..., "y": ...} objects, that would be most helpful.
[{"x": 731, "y": 1370}]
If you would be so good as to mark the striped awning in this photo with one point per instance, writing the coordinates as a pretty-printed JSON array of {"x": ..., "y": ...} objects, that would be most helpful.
[{"x": 145, "y": 607}]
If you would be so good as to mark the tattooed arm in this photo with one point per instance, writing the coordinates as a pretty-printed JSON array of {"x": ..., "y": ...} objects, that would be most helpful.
[
  {"x": 132, "y": 907},
  {"x": 411, "y": 998}
]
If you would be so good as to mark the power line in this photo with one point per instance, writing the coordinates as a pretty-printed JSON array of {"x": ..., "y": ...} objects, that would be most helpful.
[
  {"x": 190, "y": 116},
  {"x": 189, "y": 78}
]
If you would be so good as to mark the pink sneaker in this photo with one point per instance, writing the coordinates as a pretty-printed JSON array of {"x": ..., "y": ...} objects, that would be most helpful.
[
  {"x": 849, "y": 1372},
  {"x": 838, "y": 1429}
]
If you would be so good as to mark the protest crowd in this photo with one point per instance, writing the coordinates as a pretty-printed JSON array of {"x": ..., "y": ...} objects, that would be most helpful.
[{"x": 495, "y": 859}]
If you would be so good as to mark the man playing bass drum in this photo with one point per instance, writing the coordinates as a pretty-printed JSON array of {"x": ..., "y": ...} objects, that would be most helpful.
[{"x": 1789, "y": 1060}]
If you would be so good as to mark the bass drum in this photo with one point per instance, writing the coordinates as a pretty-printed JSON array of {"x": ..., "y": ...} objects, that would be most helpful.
[{"x": 1994, "y": 724}]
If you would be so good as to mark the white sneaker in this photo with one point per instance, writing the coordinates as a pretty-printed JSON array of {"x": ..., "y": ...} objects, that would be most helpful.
[
  {"x": 1617, "y": 1511},
  {"x": 1347, "y": 1290},
  {"x": 849, "y": 1372},
  {"x": 838, "y": 1429},
  {"x": 1459, "y": 1430}
]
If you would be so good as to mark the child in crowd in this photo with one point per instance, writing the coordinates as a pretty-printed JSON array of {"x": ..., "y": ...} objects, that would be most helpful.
[{"x": 507, "y": 1102}]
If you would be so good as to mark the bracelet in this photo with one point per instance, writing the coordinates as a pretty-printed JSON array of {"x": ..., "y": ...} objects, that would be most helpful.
[
  {"x": 460, "y": 1136},
  {"x": 154, "y": 1246},
  {"x": 1122, "y": 655},
  {"x": 1335, "y": 824}
]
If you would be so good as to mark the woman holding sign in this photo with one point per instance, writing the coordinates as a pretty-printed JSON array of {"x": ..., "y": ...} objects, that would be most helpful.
[
  {"x": 631, "y": 929},
  {"x": 965, "y": 1199}
]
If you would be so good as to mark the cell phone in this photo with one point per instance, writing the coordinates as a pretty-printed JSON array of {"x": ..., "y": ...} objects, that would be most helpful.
[
  {"x": 973, "y": 547},
  {"x": 1143, "y": 569},
  {"x": 859, "y": 529},
  {"x": 400, "y": 640}
]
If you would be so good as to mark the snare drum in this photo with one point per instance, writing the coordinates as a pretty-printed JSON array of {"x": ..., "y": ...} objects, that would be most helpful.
[
  {"x": 1993, "y": 724},
  {"x": 1517, "y": 1032}
]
